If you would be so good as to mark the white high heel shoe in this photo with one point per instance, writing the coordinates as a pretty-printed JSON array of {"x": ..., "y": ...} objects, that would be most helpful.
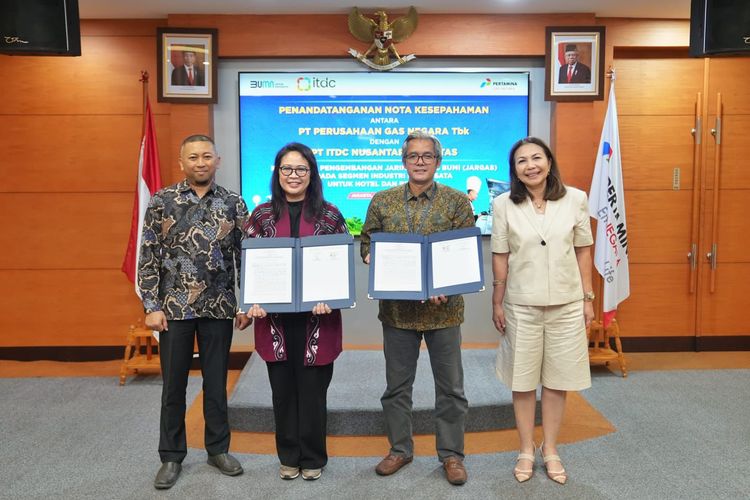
[
  {"x": 558, "y": 476},
  {"x": 523, "y": 475}
]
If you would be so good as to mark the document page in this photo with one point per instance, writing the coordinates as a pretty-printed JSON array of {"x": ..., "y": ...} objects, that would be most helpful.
[
  {"x": 398, "y": 267},
  {"x": 268, "y": 276},
  {"x": 455, "y": 262},
  {"x": 325, "y": 273}
]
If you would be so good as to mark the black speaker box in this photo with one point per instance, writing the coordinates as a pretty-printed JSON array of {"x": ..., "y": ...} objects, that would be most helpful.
[
  {"x": 719, "y": 27},
  {"x": 40, "y": 27}
]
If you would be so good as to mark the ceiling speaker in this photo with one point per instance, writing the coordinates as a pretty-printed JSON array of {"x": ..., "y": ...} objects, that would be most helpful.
[
  {"x": 40, "y": 27},
  {"x": 719, "y": 27}
]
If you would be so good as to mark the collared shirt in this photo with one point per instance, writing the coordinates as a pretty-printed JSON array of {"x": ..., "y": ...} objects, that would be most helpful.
[
  {"x": 190, "y": 252},
  {"x": 434, "y": 210}
]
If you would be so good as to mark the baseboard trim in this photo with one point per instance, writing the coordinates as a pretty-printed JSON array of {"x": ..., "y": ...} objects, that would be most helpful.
[
  {"x": 680, "y": 344},
  {"x": 237, "y": 359},
  {"x": 726, "y": 343},
  {"x": 656, "y": 344}
]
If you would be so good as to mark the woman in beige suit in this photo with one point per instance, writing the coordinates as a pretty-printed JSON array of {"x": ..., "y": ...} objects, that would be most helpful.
[{"x": 542, "y": 297}]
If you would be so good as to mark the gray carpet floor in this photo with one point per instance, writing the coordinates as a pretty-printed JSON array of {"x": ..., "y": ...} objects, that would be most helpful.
[{"x": 680, "y": 435}]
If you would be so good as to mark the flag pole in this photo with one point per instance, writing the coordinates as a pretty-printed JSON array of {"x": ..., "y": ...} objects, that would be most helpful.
[
  {"x": 144, "y": 82},
  {"x": 599, "y": 314}
]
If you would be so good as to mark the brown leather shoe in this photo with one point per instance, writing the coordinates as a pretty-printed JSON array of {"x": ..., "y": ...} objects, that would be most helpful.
[
  {"x": 392, "y": 463},
  {"x": 455, "y": 472}
]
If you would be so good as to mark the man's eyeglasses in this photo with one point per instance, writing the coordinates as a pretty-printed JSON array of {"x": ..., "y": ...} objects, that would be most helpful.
[
  {"x": 300, "y": 170},
  {"x": 413, "y": 158}
]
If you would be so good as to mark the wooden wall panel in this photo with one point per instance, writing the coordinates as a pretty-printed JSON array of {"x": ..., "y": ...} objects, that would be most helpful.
[
  {"x": 734, "y": 171},
  {"x": 733, "y": 227},
  {"x": 735, "y": 130},
  {"x": 108, "y": 28},
  {"x": 646, "y": 32},
  {"x": 65, "y": 230},
  {"x": 643, "y": 88},
  {"x": 659, "y": 304},
  {"x": 73, "y": 128},
  {"x": 66, "y": 308},
  {"x": 659, "y": 227},
  {"x": 652, "y": 147},
  {"x": 730, "y": 77},
  {"x": 328, "y": 35},
  {"x": 80, "y": 153},
  {"x": 724, "y": 311},
  {"x": 103, "y": 81},
  {"x": 575, "y": 141}
]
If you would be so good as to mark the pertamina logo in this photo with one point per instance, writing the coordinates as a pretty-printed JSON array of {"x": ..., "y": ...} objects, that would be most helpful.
[{"x": 487, "y": 82}]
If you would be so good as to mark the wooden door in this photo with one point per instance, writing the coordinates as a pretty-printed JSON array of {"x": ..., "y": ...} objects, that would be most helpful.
[
  {"x": 657, "y": 99},
  {"x": 724, "y": 296}
]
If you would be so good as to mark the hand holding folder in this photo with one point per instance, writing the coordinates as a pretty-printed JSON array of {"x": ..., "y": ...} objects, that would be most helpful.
[
  {"x": 297, "y": 274},
  {"x": 408, "y": 266}
]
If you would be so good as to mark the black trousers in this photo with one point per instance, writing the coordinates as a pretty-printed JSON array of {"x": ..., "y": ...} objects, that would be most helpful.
[
  {"x": 299, "y": 401},
  {"x": 176, "y": 355}
]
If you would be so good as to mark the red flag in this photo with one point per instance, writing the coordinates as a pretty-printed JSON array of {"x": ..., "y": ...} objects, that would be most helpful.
[{"x": 149, "y": 181}]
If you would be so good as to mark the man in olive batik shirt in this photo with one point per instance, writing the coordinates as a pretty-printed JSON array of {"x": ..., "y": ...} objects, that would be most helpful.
[{"x": 421, "y": 206}]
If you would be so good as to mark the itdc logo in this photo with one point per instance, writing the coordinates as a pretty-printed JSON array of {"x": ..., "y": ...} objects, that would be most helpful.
[
  {"x": 306, "y": 83},
  {"x": 303, "y": 84}
]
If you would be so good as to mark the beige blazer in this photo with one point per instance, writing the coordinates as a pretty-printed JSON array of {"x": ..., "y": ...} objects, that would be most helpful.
[{"x": 542, "y": 265}]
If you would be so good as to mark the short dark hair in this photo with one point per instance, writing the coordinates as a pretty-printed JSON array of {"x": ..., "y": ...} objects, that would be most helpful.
[
  {"x": 313, "y": 196},
  {"x": 555, "y": 188},
  {"x": 196, "y": 138}
]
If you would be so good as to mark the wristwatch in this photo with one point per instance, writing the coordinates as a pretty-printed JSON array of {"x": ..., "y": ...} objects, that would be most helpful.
[{"x": 589, "y": 297}]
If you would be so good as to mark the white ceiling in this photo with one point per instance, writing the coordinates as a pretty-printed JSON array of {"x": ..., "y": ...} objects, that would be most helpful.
[{"x": 140, "y": 9}]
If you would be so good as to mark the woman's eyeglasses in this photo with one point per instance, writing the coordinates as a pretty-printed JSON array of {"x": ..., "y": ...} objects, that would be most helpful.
[{"x": 300, "y": 170}]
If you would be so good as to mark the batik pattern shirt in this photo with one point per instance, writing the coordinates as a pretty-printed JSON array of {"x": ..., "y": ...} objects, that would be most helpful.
[
  {"x": 436, "y": 209},
  {"x": 190, "y": 252}
]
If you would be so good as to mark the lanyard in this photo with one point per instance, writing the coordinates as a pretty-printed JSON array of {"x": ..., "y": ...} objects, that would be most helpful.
[{"x": 425, "y": 210}]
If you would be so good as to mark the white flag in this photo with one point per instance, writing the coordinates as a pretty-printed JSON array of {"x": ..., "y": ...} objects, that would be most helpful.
[{"x": 607, "y": 206}]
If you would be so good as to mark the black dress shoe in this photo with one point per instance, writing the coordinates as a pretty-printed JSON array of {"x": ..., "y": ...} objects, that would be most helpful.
[
  {"x": 167, "y": 475},
  {"x": 226, "y": 463}
]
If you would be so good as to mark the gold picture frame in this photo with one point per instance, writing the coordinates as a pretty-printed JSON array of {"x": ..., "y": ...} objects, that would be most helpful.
[
  {"x": 574, "y": 62},
  {"x": 186, "y": 65}
]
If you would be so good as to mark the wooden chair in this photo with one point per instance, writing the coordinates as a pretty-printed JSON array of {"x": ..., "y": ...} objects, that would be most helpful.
[
  {"x": 600, "y": 350},
  {"x": 134, "y": 359}
]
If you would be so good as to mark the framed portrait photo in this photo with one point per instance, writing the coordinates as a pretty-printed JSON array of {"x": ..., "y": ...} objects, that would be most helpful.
[
  {"x": 186, "y": 65},
  {"x": 574, "y": 62}
]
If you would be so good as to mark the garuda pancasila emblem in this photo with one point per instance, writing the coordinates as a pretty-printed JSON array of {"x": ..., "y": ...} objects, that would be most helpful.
[{"x": 383, "y": 36}]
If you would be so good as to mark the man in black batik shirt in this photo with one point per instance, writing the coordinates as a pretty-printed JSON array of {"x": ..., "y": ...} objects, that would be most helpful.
[{"x": 190, "y": 254}]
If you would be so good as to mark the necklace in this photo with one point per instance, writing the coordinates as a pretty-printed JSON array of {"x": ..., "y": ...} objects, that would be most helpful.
[{"x": 539, "y": 204}]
